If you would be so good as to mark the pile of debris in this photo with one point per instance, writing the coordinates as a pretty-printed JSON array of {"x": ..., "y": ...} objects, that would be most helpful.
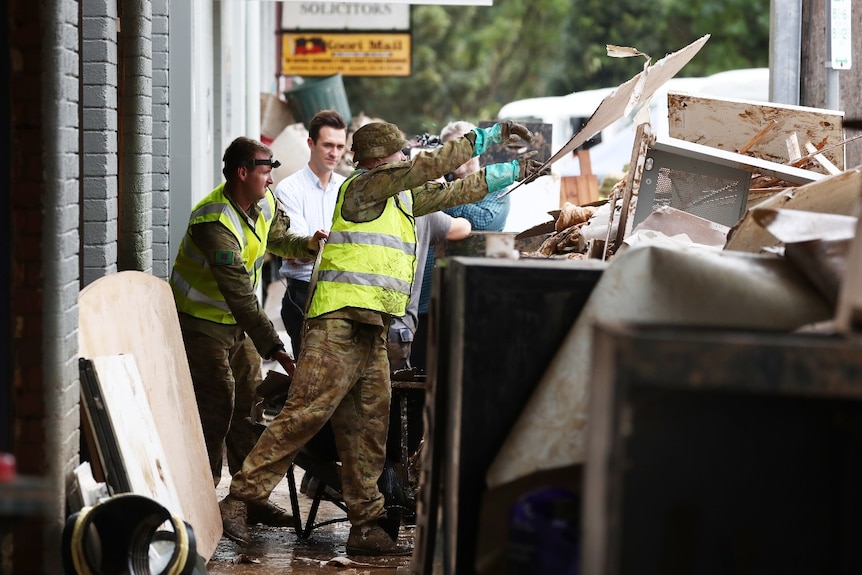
[{"x": 723, "y": 158}]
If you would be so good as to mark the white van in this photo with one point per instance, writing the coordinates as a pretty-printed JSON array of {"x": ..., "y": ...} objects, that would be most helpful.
[
  {"x": 567, "y": 113},
  {"x": 609, "y": 157}
]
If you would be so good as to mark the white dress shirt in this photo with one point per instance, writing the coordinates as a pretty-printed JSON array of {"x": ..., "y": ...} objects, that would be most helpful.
[{"x": 310, "y": 207}]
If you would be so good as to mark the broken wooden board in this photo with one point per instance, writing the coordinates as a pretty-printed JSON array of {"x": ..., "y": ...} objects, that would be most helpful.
[
  {"x": 134, "y": 313},
  {"x": 730, "y": 124},
  {"x": 836, "y": 194},
  {"x": 793, "y": 226}
]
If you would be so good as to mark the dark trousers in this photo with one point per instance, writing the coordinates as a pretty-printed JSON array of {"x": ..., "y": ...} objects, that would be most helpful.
[
  {"x": 225, "y": 380},
  {"x": 293, "y": 312},
  {"x": 419, "y": 350}
]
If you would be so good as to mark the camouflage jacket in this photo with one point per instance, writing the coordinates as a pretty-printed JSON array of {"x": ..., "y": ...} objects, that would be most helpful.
[
  {"x": 234, "y": 283},
  {"x": 366, "y": 195}
]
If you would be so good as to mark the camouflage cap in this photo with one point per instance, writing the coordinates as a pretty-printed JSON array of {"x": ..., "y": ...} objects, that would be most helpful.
[{"x": 377, "y": 140}]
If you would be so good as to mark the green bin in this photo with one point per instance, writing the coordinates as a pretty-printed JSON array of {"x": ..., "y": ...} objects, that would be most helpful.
[{"x": 310, "y": 97}]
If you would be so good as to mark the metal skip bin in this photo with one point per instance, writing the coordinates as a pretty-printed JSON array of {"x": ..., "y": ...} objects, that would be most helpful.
[{"x": 723, "y": 451}]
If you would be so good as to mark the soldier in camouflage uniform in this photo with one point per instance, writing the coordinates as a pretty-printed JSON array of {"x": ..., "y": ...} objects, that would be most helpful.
[
  {"x": 214, "y": 282},
  {"x": 364, "y": 278}
]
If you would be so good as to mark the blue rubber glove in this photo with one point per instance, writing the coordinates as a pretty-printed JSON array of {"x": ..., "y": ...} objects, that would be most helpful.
[
  {"x": 500, "y": 176},
  {"x": 502, "y": 132}
]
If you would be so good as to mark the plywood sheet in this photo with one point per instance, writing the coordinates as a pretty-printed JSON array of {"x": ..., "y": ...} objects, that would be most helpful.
[
  {"x": 134, "y": 313},
  {"x": 633, "y": 94},
  {"x": 730, "y": 124},
  {"x": 134, "y": 428}
]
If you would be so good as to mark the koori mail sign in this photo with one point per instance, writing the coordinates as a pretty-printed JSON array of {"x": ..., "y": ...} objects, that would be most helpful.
[{"x": 323, "y": 54}]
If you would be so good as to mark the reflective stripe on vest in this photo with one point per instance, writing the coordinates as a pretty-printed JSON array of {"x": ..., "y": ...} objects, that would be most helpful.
[
  {"x": 368, "y": 265},
  {"x": 195, "y": 289}
]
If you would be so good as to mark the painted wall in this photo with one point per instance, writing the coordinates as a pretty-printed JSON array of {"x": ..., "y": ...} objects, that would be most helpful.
[{"x": 217, "y": 72}]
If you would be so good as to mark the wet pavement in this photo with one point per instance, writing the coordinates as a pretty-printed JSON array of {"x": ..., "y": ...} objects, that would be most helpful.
[{"x": 274, "y": 551}]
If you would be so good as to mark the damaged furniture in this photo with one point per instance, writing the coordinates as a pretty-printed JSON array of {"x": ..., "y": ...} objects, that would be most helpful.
[
  {"x": 697, "y": 179},
  {"x": 703, "y": 181},
  {"x": 716, "y": 345}
]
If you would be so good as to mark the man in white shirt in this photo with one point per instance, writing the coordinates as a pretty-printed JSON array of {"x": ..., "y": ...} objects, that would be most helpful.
[{"x": 309, "y": 197}]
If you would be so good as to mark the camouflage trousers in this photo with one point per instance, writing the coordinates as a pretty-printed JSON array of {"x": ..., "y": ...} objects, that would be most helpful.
[
  {"x": 225, "y": 381},
  {"x": 342, "y": 375}
]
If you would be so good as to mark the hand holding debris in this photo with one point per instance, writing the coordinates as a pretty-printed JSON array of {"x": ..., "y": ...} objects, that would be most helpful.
[
  {"x": 499, "y": 176},
  {"x": 514, "y": 133},
  {"x": 506, "y": 133},
  {"x": 530, "y": 168}
]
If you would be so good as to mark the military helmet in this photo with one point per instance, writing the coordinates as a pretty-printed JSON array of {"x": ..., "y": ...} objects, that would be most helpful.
[{"x": 377, "y": 140}]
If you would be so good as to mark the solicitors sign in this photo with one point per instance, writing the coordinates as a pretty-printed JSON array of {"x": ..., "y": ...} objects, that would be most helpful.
[{"x": 344, "y": 16}]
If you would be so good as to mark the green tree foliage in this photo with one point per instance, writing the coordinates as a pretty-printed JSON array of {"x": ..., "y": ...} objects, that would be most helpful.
[{"x": 470, "y": 60}]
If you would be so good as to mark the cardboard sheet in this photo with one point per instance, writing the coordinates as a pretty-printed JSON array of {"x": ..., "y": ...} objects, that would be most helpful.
[
  {"x": 838, "y": 194},
  {"x": 133, "y": 313},
  {"x": 685, "y": 286},
  {"x": 631, "y": 95}
]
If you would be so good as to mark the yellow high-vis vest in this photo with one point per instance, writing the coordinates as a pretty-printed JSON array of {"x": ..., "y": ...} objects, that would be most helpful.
[
  {"x": 195, "y": 289},
  {"x": 368, "y": 265}
]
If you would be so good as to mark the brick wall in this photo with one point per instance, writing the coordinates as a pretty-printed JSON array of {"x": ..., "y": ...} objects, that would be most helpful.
[
  {"x": 44, "y": 165},
  {"x": 136, "y": 142},
  {"x": 99, "y": 125},
  {"x": 161, "y": 147}
]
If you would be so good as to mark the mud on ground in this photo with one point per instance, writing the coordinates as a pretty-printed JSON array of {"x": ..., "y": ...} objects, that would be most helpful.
[{"x": 275, "y": 551}]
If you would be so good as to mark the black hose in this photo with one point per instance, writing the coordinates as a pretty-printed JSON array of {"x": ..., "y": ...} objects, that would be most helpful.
[{"x": 124, "y": 534}]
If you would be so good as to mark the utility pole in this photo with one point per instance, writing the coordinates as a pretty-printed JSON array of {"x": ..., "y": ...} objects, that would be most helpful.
[
  {"x": 838, "y": 48},
  {"x": 785, "y": 51}
]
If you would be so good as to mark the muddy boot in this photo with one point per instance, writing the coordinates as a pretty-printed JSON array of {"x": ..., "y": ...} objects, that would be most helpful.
[
  {"x": 372, "y": 539},
  {"x": 233, "y": 519},
  {"x": 269, "y": 513},
  {"x": 391, "y": 523}
]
